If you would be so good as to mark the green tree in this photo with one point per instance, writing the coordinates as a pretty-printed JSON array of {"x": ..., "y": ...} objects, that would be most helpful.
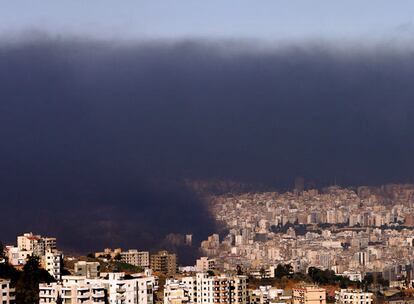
[
  {"x": 118, "y": 257},
  {"x": 27, "y": 286},
  {"x": 3, "y": 255},
  {"x": 262, "y": 272},
  {"x": 283, "y": 271}
]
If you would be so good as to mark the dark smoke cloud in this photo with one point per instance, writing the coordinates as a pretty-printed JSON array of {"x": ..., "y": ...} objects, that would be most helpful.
[{"x": 96, "y": 137}]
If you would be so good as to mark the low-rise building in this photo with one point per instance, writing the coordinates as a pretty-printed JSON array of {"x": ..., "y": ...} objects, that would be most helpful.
[
  {"x": 269, "y": 294},
  {"x": 353, "y": 296}
]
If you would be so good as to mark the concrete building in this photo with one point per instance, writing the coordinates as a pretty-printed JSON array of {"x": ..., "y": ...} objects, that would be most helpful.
[
  {"x": 204, "y": 289},
  {"x": 164, "y": 262},
  {"x": 113, "y": 289},
  {"x": 136, "y": 258},
  {"x": 268, "y": 294},
  {"x": 7, "y": 295},
  {"x": 17, "y": 257},
  {"x": 52, "y": 262},
  {"x": 204, "y": 264},
  {"x": 74, "y": 290},
  {"x": 36, "y": 244},
  {"x": 309, "y": 295},
  {"x": 353, "y": 296},
  {"x": 221, "y": 289},
  {"x": 180, "y": 291},
  {"x": 90, "y": 270}
]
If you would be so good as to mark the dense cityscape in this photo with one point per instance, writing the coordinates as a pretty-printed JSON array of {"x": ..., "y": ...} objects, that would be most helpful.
[{"x": 334, "y": 245}]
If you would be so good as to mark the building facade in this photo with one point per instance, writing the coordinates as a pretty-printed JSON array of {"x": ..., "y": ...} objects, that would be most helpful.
[
  {"x": 164, "y": 262},
  {"x": 7, "y": 294},
  {"x": 114, "y": 288},
  {"x": 353, "y": 296},
  {"x": 136, "y": 258},
  {"x": 309, "y": 295},
  {"x": 203, "y": 289}
]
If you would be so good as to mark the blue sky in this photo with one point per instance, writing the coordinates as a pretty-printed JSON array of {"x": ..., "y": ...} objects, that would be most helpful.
[{"x": 269, "y": 20}]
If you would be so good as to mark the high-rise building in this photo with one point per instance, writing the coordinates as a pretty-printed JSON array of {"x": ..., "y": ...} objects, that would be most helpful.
[
  {"x": 164, "y": 262},
  {"x": 299, "y": 184},
  {"x": 52, "y": 262},
  {"x": 189, "y": 239}
]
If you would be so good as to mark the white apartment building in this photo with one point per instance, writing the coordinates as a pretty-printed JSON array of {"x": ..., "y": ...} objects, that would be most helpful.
[
  {"x": 136, "y": 258},
  {"x": 353, "y": 296},
  {"x": 52, "y": 262},
  {"x": 180, "y": 291},
  {"x": 221, "y": 289},
  {"x": 269, "y": 294},
  {"x": 204, "y": 264},
  {"x": 136, "y": 290},
  {"x": 205, "y": 289},
  {"x": 74, "y": 290},
  {"x": 6, "y": 293},
  {"x": 113, "y": 289}
]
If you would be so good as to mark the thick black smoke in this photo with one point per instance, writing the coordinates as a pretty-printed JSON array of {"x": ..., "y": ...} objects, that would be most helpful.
[{"x": 96, "y": 137}]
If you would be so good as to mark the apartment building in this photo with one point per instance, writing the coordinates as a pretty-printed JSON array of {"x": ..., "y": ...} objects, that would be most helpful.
[
  {"x": 17, "y": 257},
  {"x": 136, "y": 290},
  {"x": 309, "y": 295},
  {"x": 7, "y": 295},
  {"x": 204, "y": 264},
  {"x": 114, "y": 288},
  {"x": 74, "y": 290},
  {"x": 221, "y": 289},
  {"x": 136, "y": 258},
  {"x": 164, "y": 262},
  {"x": 203, "y": 289},
  {"x": 179, "y": 291},
  {"x": 269, "y": 294},
  {"x": 353, "y": 296},
  {"x": 52, "y": 262},
  {"x": 90, "y": 270},
  {"x": 36, "y": 244}
]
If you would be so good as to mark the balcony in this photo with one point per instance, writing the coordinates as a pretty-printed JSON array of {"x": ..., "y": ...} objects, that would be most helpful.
[
  {"x": 98, "y": 294},
  {"x": 83, "y": 296}
]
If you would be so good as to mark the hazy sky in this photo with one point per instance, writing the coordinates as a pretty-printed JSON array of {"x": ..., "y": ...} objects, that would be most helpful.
[{"x": 173, "y": 19}]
